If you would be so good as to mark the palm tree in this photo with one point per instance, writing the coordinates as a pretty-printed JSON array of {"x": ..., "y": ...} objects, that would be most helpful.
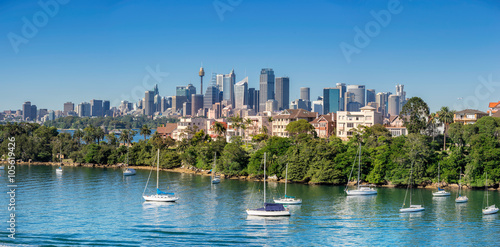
[
  {"x": 219, "y": 128},
  {"x": 145, "y": 131},
  {"x": 78, "y": 135},
  {"x": 89, "y": 134},
  {"x": 99, "y": 134},
  {"x": 124, "y": 136},
  {"x": 445, "y": 116}
]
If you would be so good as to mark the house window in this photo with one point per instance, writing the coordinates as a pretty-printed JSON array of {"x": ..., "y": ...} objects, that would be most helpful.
[
  {"x": 350, "y": 125},
  {"x": 349, "y": 133}
]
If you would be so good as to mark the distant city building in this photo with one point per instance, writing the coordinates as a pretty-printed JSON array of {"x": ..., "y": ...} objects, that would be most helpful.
[
  {"x": 256, "y": 100},
  {"x": 266, "y": 87},
  {"x": 96, "y": 108},
  {"x": 190, "y": 91},
  {"x": 201, "y": 74},
  {"x": 402, "y": 95},
  {"x": 241, "y": 93},
  {"x": 283, "y": 92},
  {"x": 181, "y": 91},
  {"x": 393, "y": 105},
  {"x": 68, "y": 106},
  {"x": 149, "y": 103},
  {"x": 299, "y": 104},
  {"x": 251, "y": 102},
  {"x": 342, "y": 99},
  {"x": 331, "y": 100},
  {"x": 370, "y": 95},
  {"x": 186, "y": 109},
  {"x": 305, "y": 93},
  {"x": 381, "y": 100},
  {"x": 196, "y": 104},
  {"x": 29, "y": 111},
  {"x": 272, "y": 105},
  {"x": 228, "y": 87},
  {"x": 357, "y": 95},
  {"x": 211, "y": 96},
  {"x": 106, "y": 108},
  {"x": 84, "y": 109},
  {"x": 317, "y": 105},
  {"x": 178, "y": 102}
]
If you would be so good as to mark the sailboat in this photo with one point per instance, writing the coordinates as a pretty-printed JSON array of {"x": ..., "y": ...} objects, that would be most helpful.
[
  {"x": 128, "y": 171},
  {"x": 461, "y": 198},
  {"x": 269, "y": 209},
  {"x": 361, "y": 190},
  {"x": 412, "y": 208},
  {"x": 160, "y": 196},
  {"x": 492, "y": 209},
  {"x": 215, "y": 178},
  {"x": 287, "y": 199},
  {"x": 440, "y": 192}
]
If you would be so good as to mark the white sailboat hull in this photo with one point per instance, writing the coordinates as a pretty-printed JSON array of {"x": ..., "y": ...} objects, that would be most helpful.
[
  {"x": 59, "y": 170},
  {"x": 129, "y": 172},
  {"x": 461, "y": 199},
  {"x": 263, "y": 213},
  {"x": 361, "y": 192},
  {"x": 289, "y": 201},
  {"x": 216, "y": 180},
  {"x": 441, "y": 193},
  {"x": 412, "y": 208},
  {"x": 160, "y": 198},
  {"x": 490, "y": 210}
]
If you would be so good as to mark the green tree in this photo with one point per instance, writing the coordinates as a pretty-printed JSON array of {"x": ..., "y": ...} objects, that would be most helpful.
[
  {"x": 445, "y": 116},
  {"x": 145, "y": 131},
  {"x": 417, "y": 110}
]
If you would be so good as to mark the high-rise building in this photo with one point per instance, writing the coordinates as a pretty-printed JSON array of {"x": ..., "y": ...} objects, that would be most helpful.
[
  {"x": 400, "y": 91},
  {"x": 305, "y": 94},
  {"x": 96, "y": 108},
  {"x": 343, "y": 90},
  {"x": 220, "y": 82},
  {"x": 228, "y": 82},
  {"x": 317, "y": 105},
  {"x": 33, "y": 113},
  {"x": 299, "y": 104},
  {"x": 357, "y": 97},
  {"x": 266, "y": 87},
  {"x": 283, "y": 92},
  {"x": 106, "y": 107},
  {"x": 177, "y": 102},
  {"x": 27, "y": 111},
  {"x": 68, "y": 106},
  {"x": 186, "y": 109},
  {"x": 251, "y": 102},
  {"x": 370, "y": 95},
  {"x": 393, "y": 105},
  {"x": 181, "y": 91},
  {"x": 84, "y": 109},
  {"x": 241, "y": 93},
  {"x": 256, "y": 100},
  {"x": 196, "y": 103},
  {"x": 149, "y": 103},
  {"x": 272, "y": 105},
  {"x": 331, "y": 100},
  {"x": 381, "y": 100},
  {"x": 190, "y": 91},
  {"x": 211, "y": 96}
]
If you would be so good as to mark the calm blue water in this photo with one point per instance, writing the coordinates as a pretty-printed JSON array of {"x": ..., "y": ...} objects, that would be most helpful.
[
  {"x": 136, "y": 138},
  {"x": 94, "y": 206}
]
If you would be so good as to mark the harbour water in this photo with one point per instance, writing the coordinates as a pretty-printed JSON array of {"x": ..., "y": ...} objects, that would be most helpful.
[{"x": 96, "y": 206}]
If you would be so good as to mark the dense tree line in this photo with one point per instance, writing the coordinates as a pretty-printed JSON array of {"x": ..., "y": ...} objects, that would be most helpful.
[
  {"x": 474, "y": 149},
  {"x": 123, "y": 122}
]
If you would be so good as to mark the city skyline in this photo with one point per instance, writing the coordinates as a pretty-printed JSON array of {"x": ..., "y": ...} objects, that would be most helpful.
[{"x": 77, "y": 58}]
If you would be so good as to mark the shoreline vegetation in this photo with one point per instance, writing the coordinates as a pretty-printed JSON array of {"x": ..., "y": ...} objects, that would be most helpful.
[
  {"x": 473, "y": 149},
  {"x": 195, "y": 171}
]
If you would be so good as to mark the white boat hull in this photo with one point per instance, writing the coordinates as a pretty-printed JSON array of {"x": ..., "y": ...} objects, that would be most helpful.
[
  {"x": 160, "y": 198},
  {"x": 2, "y": 168},
  {"x": 366, "y": 192},
  {"x": 59, "y": 170},
  {"x": 289, "y": 201},
  {"x": 263, "y": 213},
  {"x": 441, "y": 193},
  {"x": 129, "y": 172},
  {"x": 411, "y": 209},
  {"x": 461, "y": 199},
  {"x": 216, "y": 180},
  {"x": 490, "y": 210}
]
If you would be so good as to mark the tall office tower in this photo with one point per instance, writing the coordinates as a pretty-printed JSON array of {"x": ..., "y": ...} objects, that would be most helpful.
[
  {"x": 196, "y": 103},
  {"x": 157, "y": 103},
  {"x": 68, "y": 106},
  {"x": 228, "y": 82},
  {"x": 149, "y": 103},
  {"x": 84, "y": 109},
  {"x": 299, "y": 104},
  {"x": 163, "y": 104},
  {"x": 201, "y": 74},
  {"x": 52, "y": 115},
  {"x": 272, "y": 105},
  {"x": 211, "y": 96},
  {"x": 256, "y": 100},
  {"x": 220, "y": 82},
  {"x": 381, "y": 100},
  {"x": 33, "y": 113},
  {"x": 186, "y": 109},
  {"x": 342, "y": 89},
  {"x": 357, "y": 94},
  {"x": 42, "y": 112},
  {"x": 27, "y": 111},
  {"x": 393, "y": 105},
  {"x": 370, "y": 95},
  {"x": 181, "y": 91},
  {"x": 400, "y": 91},
  {"x": 266, "y": 87},
  {"x": 106, "y": 106},
  {"x": 177, "y": 102},
  {"x": 96, "y": 108},
  {"x": 331, "y": 100},
  {"x": 317, "y": 106},
  {"x": 283, "y": 92},
  {"x": 169, "y": 102},
  {"x": 251, "y": 102},
  {"x": 190, "y": 91},
  {"x": 241, "y": 93},
  {"x": 305, "y": 94},
  {"x": 155, "y": 90}
]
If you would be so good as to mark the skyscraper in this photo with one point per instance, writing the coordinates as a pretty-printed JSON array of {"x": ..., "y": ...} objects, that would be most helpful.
[
  {"x": 196, "y": 104},
  {"x": 211, "y": 96},
  {"x": 251, "y": 102},
  {"x": 190, "y": 91},
  {"x": 106, "y": 107},
  {"x": 400, "y": 91},
  {"x": 149, "y": 103},
  {"x": 357, "y": 95},
  {"x": 241, "y": 93},
  {"x": 27, "y": 111},
  {"x": 381, "y": 100},
  {"x": 370, "y": 95},
  {"x": 228, "y": 82},
  {"x": 96, "y": 108},
  {"x": 68, "y": 106},
  {"x": 393, "y": 105},
  {"x": 266, "y": 87},
  {"x": 331, "y": 100},
  {"x": 342, "y": 90},
  {"x": 84, "y": 109},
  {"x": 283, "y": 92},
  {"x": 256, "y": 100},
  {"x": 305, "y": 93}
]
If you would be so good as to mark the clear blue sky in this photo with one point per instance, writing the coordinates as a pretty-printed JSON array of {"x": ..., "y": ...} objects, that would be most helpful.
[{"x": 100, "y": 49}]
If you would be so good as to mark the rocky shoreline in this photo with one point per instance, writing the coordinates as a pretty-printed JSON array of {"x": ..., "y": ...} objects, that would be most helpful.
[{"x": 196, "y": 171}]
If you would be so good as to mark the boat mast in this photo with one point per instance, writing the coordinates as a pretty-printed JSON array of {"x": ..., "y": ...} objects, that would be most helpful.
[
  {"x": 158, "y": 169},
  {"x": 213, "y": 170},
  {"x": 438, "y": 176},
  {"x": 411, "y": 188},
  {"x": 359, "y": 163},
  {"x": 264, "y": 178},
  {"x": 286, "y": 177},
  {"x": 486, "y": 186}
]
